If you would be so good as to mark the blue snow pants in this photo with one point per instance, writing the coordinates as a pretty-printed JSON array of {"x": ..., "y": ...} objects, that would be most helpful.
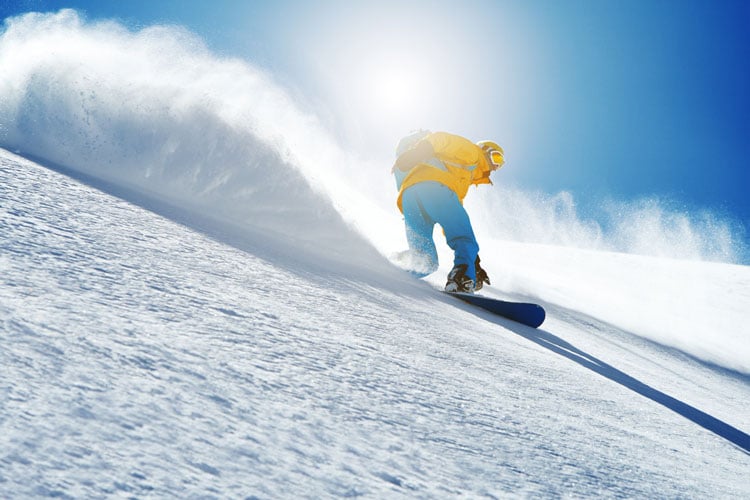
[{"x": 428, "y": 203}]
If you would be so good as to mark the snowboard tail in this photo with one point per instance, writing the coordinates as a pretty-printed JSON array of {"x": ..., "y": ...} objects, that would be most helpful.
[{"x": 529, "y": 314}]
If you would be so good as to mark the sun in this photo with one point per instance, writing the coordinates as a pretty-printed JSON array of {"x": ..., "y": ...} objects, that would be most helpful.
[
  {"x": 394, "y": 92},
  {"x": 394, "y": 88}
]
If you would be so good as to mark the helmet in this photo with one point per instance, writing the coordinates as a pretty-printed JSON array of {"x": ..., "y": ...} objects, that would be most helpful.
[
  {"x": 495, "y": 153},
  {"x": 410, "y": 141}
]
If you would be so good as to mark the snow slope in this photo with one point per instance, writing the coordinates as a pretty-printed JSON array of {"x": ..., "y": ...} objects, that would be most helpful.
[
  {"x": 142, "y": 357},
  {"x": 196, "y": 300}
]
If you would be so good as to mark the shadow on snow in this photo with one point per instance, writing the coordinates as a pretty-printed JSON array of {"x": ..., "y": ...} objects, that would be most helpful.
[{"x": 564, "y": 348}]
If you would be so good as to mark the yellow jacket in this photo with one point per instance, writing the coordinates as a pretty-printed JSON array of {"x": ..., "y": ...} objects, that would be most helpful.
[{"x": 458, "y": 163}]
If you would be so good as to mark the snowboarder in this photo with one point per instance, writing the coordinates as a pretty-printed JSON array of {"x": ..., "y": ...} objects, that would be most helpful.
[{"x": 433, "y": 173}]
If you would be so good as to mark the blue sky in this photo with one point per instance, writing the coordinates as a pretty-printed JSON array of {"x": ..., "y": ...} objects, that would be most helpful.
[{"x": 606, "y": 99}]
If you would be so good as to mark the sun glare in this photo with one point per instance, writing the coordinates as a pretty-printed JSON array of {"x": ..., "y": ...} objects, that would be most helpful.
[
  {"x": 393, "y": 89},
  {"x": 382, "y": 82}
]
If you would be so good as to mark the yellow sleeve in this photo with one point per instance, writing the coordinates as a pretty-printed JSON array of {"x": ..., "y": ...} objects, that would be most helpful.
[{"x": 459, "y": 150}]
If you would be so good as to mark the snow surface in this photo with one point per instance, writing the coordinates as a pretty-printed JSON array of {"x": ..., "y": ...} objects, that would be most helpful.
[
  {"x": 196, "y": 301},
  {"x": 144, "y": 357}
]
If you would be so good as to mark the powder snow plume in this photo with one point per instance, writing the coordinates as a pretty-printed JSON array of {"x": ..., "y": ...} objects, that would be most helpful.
[{"x": 156, "y": 111}]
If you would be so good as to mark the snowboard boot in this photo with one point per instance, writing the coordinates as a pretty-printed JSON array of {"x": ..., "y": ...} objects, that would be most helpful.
[
  {"x": 458, "y": 282},
  {"x": 482, "y": 277}
]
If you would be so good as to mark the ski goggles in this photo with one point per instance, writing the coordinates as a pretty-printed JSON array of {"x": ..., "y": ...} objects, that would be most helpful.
[{"x": 496, "y": 157}]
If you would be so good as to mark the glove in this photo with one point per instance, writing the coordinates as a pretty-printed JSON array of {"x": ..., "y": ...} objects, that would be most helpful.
[{"x": 482, "y": 277}]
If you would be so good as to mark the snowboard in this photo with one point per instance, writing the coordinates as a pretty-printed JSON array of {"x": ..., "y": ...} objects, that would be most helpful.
[{"x": 522, "y": 312}]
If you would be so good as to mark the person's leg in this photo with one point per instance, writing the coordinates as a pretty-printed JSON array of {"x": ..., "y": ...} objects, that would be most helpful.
[
  {"x": 443, "y": 206},
  {"x": 419, "y": 226}
]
